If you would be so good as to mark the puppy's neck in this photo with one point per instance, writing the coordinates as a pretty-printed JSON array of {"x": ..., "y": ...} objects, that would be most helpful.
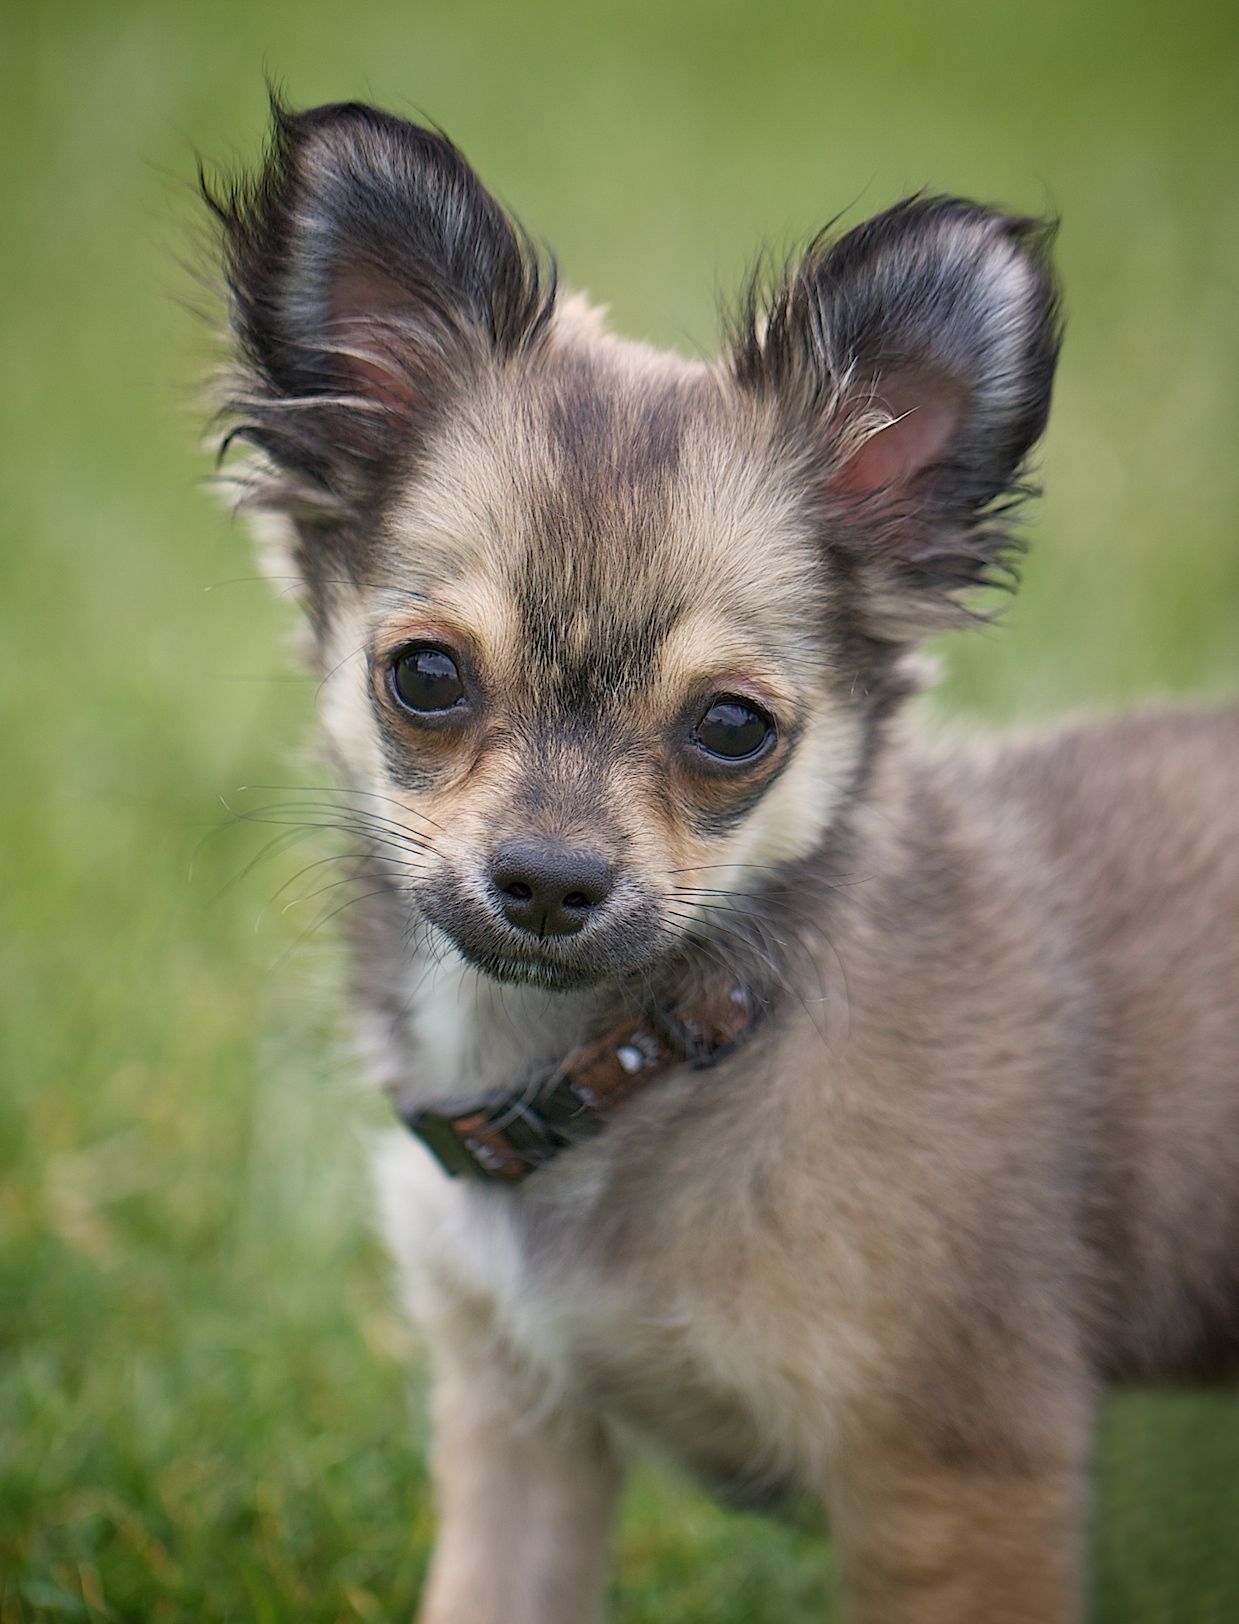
[{"x": 471, "y": 1036}]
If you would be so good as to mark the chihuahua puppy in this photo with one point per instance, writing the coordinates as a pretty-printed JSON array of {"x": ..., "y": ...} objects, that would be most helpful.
[{"x": 838, "y": 1113}]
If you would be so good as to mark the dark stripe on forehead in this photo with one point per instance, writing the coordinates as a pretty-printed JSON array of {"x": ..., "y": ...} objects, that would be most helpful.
[
  {"x": 586, "y": 646},
  {"x": 612, "y": 432},
  {"x": 595, "y": 584}
]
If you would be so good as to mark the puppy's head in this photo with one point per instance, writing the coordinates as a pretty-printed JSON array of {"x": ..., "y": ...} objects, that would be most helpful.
[{"x": 607, "y": 635}]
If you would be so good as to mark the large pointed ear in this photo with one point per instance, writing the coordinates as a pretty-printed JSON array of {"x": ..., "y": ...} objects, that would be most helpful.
[
  {"x": 368, "y": 271},
  {"x": 911, "y": 361}
]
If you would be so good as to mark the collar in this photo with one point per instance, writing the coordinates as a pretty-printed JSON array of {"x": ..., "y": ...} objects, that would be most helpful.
[{"x": 508, "y": 1136}]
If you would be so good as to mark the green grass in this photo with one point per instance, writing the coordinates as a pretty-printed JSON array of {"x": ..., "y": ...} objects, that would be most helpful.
[{"x": 206, "y": 1406}]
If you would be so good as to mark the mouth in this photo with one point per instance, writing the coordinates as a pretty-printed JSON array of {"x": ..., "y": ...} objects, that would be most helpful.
[{"x": 609, "y": 953}]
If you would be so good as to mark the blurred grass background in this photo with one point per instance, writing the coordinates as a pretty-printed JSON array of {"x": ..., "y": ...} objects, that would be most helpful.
[{"x": 204, "y": 1389}]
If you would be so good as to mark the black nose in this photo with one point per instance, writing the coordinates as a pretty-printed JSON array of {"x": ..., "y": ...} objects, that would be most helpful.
[{"x": 546, "y": 888}]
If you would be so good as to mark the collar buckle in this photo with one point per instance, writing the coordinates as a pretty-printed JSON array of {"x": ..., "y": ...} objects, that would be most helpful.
[{"x": 440, "y": 1137}]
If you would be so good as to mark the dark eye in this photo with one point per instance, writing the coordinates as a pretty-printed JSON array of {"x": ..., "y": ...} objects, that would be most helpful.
[
  {"x": 427, "y": 680},
  {"x": 733, "y": 730}
]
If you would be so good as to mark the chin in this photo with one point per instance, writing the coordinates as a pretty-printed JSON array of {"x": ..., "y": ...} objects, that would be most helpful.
[{"x": 537, "y": 972}]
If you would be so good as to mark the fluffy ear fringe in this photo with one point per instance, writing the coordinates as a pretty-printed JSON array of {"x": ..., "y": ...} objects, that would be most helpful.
[
  {"x": 939, "y": 307},
  {"x": 367, "y": 270}
]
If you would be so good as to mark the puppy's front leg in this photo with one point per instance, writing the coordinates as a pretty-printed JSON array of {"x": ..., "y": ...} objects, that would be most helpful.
[
  {"x": 525, "y": 1503},
  {"x": 924, "y": 1543}
]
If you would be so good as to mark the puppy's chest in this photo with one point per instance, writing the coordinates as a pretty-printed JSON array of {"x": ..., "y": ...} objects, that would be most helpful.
[
  {"x": 599, "y": 1275},
  {"x": 662, "y": 1342}
]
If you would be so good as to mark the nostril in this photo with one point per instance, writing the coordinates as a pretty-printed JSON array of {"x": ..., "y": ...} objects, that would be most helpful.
[
  {"x": 518, "y": 891},
  {"x": 577, "y": 899}
]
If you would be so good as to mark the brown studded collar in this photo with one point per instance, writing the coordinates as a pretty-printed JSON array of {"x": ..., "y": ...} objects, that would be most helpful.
[{"x": 509, "y": 1136}]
